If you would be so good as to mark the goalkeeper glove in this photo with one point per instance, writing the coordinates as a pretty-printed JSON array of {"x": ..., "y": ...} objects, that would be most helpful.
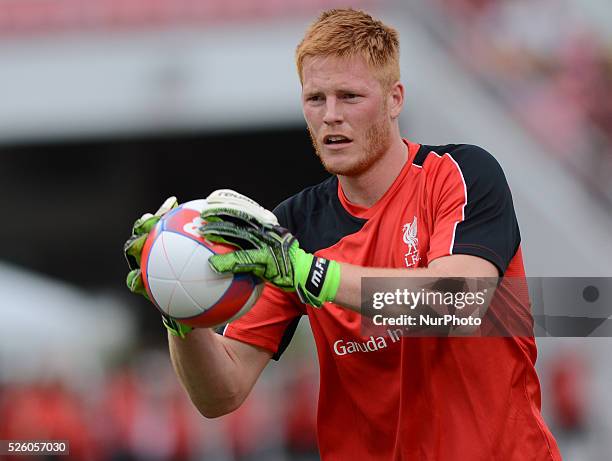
[
  {"x": 267, "y": 250},
  {"x": 133, "y": 251}
]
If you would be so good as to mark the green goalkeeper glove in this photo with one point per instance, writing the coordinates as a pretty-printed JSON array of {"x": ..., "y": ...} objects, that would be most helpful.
[
  {"x": 133, "y": 251},
  {"x": 267, "y": 250}
]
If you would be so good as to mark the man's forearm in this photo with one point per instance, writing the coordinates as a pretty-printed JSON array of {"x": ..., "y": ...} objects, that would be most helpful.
[
  {"x": 209, "y": 371},
  {"x": 349, "y": 291}
]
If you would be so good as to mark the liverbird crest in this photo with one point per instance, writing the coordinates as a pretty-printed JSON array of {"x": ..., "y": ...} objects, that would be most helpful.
[
  {"x": 410, "y": 234},
  {"x": 411, "y": 258}
]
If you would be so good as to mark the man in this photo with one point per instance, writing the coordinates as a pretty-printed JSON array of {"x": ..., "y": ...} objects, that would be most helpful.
[{"x": 392, "y": 208}]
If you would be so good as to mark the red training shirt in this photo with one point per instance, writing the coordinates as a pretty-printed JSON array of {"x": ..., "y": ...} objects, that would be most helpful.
[{"x": 412, "y": 398}]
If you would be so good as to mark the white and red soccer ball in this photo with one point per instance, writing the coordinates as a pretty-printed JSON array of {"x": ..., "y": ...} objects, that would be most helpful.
[{"x": 179, "y": 280}]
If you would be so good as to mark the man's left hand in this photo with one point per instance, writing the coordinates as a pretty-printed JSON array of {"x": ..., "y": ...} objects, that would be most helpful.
[{"x": 269, "y": 252}]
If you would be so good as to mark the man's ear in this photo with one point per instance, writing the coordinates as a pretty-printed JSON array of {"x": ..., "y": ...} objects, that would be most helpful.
[{"x": 395, "y": 99}]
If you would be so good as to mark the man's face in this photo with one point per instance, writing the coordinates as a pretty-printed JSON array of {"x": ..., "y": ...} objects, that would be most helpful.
[{"x": 347, "y": 113}]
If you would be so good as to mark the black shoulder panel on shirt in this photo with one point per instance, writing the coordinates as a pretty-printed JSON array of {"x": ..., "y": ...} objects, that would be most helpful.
[
  {"x": 287, "y": 337},
  {"x": 316, "y": 216},
  {"x": 425, "y": 150},
  {"x": 318, "y": 220},
  {"x": 490, "y": 228}
]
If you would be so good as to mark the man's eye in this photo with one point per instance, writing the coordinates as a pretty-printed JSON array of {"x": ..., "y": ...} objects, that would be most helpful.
[
  {"x": 349, "y": 96},
  {"x": 315, "y": 98}
]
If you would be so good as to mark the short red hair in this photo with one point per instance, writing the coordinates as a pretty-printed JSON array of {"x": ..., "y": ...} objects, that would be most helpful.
[{"x": 347, "y": 33}]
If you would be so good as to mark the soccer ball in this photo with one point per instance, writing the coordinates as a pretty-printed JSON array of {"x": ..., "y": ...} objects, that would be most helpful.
[{"x": 180, "y": 282}]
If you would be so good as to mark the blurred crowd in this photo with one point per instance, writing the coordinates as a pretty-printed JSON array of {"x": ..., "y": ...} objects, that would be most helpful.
[
  {"x": 140, "y": 412},
  {"x": 549, "y": 64}
]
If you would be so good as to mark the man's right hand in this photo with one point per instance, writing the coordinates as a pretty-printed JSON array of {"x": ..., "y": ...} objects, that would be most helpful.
[{"x": 132, "y": 250}]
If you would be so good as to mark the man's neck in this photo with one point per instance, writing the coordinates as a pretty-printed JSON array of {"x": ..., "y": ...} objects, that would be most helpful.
[{"x": 366, "y": 189}]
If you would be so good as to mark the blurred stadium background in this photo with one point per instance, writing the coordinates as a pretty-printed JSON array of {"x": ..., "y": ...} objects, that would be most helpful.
[{"x": 109, "y": 106}]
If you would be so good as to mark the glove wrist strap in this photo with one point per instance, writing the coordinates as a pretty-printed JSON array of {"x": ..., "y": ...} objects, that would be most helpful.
[
  {"x": 332, "y": 282},
  {"x": 320, "y": 284},
  {"x": 175, "y": 328}
]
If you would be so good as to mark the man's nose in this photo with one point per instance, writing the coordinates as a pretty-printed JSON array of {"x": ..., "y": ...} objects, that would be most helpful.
[{"x": 333, "y": 114}]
